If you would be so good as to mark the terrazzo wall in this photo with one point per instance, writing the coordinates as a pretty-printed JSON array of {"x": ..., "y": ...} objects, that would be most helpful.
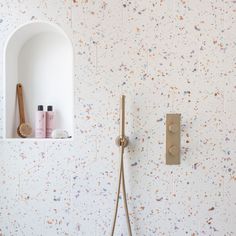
[{"x": 165, "y": 56}]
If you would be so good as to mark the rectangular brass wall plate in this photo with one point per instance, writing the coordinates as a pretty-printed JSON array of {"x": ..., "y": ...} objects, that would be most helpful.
[{"x": 173, "y": 139}]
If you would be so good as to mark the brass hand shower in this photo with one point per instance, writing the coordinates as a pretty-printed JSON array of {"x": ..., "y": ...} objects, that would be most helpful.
[{"x": 122, "y": 142}]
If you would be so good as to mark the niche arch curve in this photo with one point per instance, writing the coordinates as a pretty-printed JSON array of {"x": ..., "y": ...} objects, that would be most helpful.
[{"x": 40, "y": 56}]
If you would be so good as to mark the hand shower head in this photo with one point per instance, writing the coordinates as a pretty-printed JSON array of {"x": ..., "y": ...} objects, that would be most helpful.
[
  {"x": 122, "y": 140},
  {"x": 122, "y": 116}
]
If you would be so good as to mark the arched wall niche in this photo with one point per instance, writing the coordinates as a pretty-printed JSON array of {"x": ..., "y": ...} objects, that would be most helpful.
[{"x": 40, "y": 56}]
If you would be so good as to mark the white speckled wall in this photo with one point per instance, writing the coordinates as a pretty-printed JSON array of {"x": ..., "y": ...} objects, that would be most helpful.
[{"x": 166, "y": 56}]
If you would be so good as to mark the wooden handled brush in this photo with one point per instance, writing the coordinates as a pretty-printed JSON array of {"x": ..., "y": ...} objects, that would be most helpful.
[{"x": 24, "y": 130}]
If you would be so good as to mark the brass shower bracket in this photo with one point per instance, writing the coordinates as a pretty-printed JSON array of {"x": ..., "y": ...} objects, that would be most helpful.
[{"x": 122, "y": 141}]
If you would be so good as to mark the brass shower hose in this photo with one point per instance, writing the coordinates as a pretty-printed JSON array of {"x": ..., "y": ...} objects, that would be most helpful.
[{"x": 122, "y": 141}]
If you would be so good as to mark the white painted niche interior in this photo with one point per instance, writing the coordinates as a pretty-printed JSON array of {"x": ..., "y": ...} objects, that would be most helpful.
[{"x": 40, "y": 56}]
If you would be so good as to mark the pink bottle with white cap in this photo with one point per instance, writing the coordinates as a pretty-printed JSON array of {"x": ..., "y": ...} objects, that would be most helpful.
[
  {"x": 40, "y": 123},
  {"x": 49, "y": 122}
]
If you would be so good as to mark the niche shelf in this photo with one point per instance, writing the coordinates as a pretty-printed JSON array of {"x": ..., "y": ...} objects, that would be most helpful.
[{"x": 40, "y": 56}]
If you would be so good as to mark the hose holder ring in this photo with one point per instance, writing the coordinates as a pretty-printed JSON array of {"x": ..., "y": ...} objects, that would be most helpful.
[{"x": 120, "y": 141}]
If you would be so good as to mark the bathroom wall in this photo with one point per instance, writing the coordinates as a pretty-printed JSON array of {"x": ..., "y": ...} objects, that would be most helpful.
[{"x": 166, "y": 57}]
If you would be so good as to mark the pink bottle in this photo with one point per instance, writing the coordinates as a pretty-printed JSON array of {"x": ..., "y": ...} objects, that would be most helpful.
[
  {"x": 40, "y": 123},
  {"x": 49, "y": 122}
]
